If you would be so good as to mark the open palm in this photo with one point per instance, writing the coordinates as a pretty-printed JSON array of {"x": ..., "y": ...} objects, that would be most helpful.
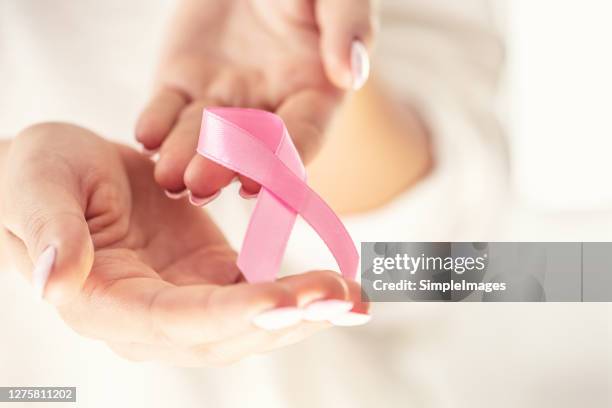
[{"x": 152, "y": 277}]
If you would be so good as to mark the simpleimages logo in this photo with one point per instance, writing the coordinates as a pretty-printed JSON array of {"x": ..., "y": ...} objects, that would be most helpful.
[{"x": 412, "y": 264}]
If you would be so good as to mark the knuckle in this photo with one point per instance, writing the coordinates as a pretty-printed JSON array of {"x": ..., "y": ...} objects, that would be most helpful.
[
  {"x": 280, "y": 295},
  {"x": 332, "y": 282},
  {"x": 36, "y": 224}
]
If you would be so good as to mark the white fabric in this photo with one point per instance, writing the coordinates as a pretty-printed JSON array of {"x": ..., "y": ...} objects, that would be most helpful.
[{"x": 90, "y": 62}]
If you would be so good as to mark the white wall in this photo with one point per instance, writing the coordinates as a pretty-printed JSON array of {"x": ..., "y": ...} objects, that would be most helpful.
[{"x": 561, "y": 101}]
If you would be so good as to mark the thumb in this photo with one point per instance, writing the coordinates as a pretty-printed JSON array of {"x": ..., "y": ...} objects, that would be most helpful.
[
  {"x": 347, "y": 28},
  {"x": 57, "y": 238},
  {"x": 45, "y": 212}
]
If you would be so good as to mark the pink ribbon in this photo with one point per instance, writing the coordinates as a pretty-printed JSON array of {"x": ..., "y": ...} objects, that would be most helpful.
[{"x": 257, "y": 145}]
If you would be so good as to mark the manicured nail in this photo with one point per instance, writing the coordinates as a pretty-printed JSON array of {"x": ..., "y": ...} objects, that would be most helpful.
[
  {"x": 323, "y": 310},
  {"x": 148, "y": 152},
  {"x": 154, "y": 158},
  {"x": 177, "y": 196},
  {"x": 201, "y": 202},
  {"x": 277, "y": 319},
  {"x": 360, "y": 64},
  {"x": 42, "y": 269},
  {"x": 351, "y": 319},
  {"x": 248, "y": 196}
]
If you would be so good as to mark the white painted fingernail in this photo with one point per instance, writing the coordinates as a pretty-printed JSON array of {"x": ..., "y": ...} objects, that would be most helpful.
[
  {"x": 148, "y": 152},
  {"x": 201, "y": 202},
  {"x": 351, "y": 319},
  {"x": 277, "y": 319},
  {"x": 323, "y": 310},
  {"x": 177, "y": 196},
  {"x": 42, "y": 269},
  {"x": 248, "y": 196},
  {"x": 360, "y": 64}
]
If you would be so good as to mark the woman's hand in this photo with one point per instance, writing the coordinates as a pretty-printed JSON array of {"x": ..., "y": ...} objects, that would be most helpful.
[
  {"x": 153, "y": 278},
  {"x": 291, "y": 57}
]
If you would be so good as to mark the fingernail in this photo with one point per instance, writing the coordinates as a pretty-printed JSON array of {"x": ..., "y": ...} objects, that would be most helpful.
[
  {"x": 323, "y": 310},
  {"x": 277, "y": 319},
  {"x": 351, "y": 319},
  {"x": 360, "y": 64},
  {"x": 248, "y": 196},
  {"x": 42, "y": 269},
  {"x": 148, "y": 152},
  {"x": 177, "y": 196},
  {"x": 201, "y": 202}
]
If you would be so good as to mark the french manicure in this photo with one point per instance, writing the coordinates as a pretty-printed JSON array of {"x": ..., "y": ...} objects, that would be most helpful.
[
  {"x": 248, "y": 196},
  {"x": 42, "y": 270},
  {"x": 202, "y": 201},
  {"x": 360, "y": 64},
  {"x": 177, "y": 196},
  {"x": 351, "y": 319},
  {"x": 277, "y": 319},
  {"x": 323, "y": 310}
]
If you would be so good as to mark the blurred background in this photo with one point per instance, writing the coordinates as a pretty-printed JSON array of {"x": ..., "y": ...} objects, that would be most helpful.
[{"x": 542, "y": 86}]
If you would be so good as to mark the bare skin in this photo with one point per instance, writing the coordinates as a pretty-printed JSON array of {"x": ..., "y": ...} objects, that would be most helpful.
[
  {"x": 288, "y": 57},
  {"x": 152, "y": 277},
  {"x": 377, "y": 149}
]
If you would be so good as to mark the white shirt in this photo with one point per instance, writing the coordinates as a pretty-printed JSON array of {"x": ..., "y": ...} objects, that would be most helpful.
[{"x": 90, "y": 62}]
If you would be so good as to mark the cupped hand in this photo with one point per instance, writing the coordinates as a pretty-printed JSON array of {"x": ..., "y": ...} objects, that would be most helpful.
[
  {"x": 152, "y": 277},
  {"x": 291, "y": 57}
]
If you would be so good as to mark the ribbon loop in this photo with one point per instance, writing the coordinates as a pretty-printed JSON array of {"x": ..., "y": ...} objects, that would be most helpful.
[{"x": 257, "y": 145}]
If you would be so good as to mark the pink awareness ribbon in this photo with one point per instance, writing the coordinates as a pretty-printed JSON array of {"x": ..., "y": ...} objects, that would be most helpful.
[{"x": 257, "y": 145}]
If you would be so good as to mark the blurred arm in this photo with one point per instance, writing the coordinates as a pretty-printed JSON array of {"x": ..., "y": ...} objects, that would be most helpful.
[
  {"x": 4, "y": 147},
  {"x": 430, "y": 110}
]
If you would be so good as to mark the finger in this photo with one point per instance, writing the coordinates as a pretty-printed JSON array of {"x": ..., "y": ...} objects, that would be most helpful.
[
  {"x": 347, "y": 28},
  {"x": 322, "y": 295},
  {"x": 175, "y": 356},
  {"x": 249, "y": 188},
  {"x": 43, "y": 206},
  {"x": 178, "y": 149},
  {"x": 138, "y": 352},
  {"x": 205, "y": 179},
  {"x": 357, "y": 316},
  {"x": 315, "y": 286},
  {"x": 192, "y": 316},
  {"x": 145, "y": 309},
  {"x": 159, "y": 116},
  {"x": 294, "y": 335},
  {"x": 306, "y": 115},
  {"x": 240, "y": 347},
  {"x": 359, "y": 298},
  {"x": 243, "y": 345},
  {"x": 318, "y": 289}
]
